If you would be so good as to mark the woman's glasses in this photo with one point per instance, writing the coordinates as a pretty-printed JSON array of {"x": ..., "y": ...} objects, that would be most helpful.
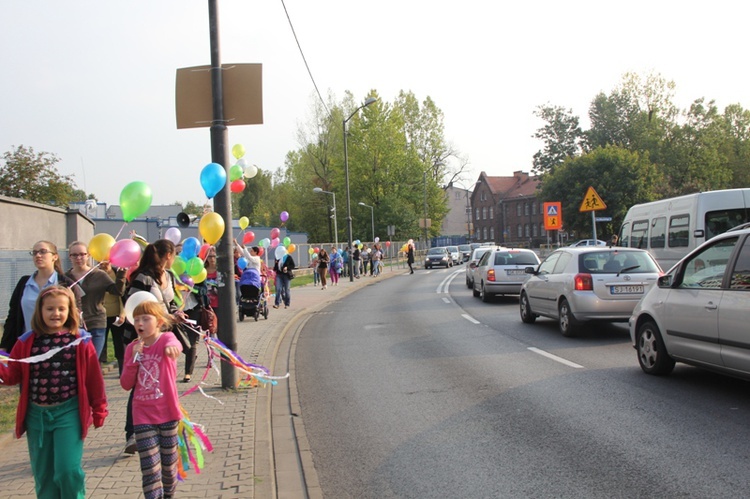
[
  {"x": 78, "y": 255},
  {"x": 42, "y": 252}
]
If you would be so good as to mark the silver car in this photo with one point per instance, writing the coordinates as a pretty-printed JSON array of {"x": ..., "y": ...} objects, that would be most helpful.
[
  {"x": 578, "y": 284},
  {"x": 502, "y": 271},
  {"x": 476, "y": 255},
  {"x": 455, "y": 255},
  {"x": 698, "y": 312}
]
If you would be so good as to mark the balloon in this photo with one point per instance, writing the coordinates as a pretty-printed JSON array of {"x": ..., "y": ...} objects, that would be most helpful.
[
  {"x": 251, "y": 171},
  {"x": 238, "y": 150},
  {"x": 203, "y": 252},
  {"x": 275, "y": 242},
  {"x": 310, "y": 251},
  {"x": 179, "y": 265},
  {"x": 237, "y": 186},
  {"x": 186, "y": 280},
  {"x": 248, "y": 237},
  {"x": 194, "y": 267},
  {"x": 291, "y": 248},
  {"x": 377, "y": 239},
  {"x": 197, "y": 279},
  {"x": 136, "y": 299},
  {"x": 284, "y": 216},
  {"x": 275, "y": 232},
  {"x": 280, "y": 252},
  {"x": 263, "y": 243},
  {"x": 235, "y": 172},
  {"x": 242, "y": 263},
  {"x": 317, "y": 250},
  {"x": 135, "y": 200},
  {"x": 125, "y": 253},
  {"x": 100, "y": 245},
  {"x": 287, "y": 241},
  {"x": 190, "y": 248},
  {"x": 211, "y": 227},
  {"x": 405, "y": 248},
  {"x": 173, "y": 234},
  {"x": 243, "y": 163},
  {"x": 213, "y": 178},
  {"x": 244, "y": 222},
  {"x": 387, "y": 244},
  {"x": 261, "y": 251}
]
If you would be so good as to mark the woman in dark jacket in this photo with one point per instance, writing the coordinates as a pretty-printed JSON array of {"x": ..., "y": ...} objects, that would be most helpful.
[{"x": 21, "y": 307}]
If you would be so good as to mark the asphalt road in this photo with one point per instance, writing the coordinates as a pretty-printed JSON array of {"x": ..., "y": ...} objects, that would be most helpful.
[{"x": 413, "y": 388}]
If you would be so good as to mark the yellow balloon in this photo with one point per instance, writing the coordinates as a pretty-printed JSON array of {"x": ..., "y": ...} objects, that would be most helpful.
[
  {"x": 244, "y": 222},
  {"x": 100, "y": 245},
  {"x": 238, "y": 150},
  {"x": 211, "y": 227},
  {"x": 291, "y": 248},
  {"x": 197, "y": 279}
]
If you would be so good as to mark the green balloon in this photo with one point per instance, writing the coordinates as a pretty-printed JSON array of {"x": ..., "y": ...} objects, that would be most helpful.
[
  {"x": 179, "y": 265},
  {"x": 287, "y": 242},
  {"x": 235, "y": 173},
  {"x": 135, "y": 200},
  {"x": 194, "y": 266}
]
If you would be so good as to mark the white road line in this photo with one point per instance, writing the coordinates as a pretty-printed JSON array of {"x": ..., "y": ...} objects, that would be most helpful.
[
  {"x": 470, "y": 318},
  {"x": 556, "y": 358},
  {"x": 445, "y": 284},
  {"x": 446, "y": 300}
]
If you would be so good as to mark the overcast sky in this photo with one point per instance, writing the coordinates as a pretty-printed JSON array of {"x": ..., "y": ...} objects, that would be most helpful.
[{"x": 93, "y": 81}]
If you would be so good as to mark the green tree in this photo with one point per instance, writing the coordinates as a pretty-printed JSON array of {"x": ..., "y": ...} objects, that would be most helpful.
[
  {"x": 29, "y": 175},
  {"x": 562, "y": 137},
  {"x": 622, "y": 178}
]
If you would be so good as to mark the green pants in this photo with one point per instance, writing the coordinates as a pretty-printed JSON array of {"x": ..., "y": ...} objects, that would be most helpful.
[{"x": 56, "y": 450}]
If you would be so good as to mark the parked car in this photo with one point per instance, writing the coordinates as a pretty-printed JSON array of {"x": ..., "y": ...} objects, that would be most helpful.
[
  {"x": 472, "y": 264},
  {"x": 455, "y": 254},
  {"x": 697, "y": 312},
  {"x": 438, "y": 256},
  {"x": 465, "y": 250},
  {"x": 578, "y": 284},
  {"x": 502, "y": 271},
  {"x": 589, "y": 242}
]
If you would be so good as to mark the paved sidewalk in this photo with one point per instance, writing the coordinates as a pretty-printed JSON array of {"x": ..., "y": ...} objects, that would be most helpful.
[{"x": 258, "y": 451}]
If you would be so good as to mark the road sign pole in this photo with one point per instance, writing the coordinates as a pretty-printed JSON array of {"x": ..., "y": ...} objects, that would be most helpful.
[{"x": 593, "y": 223}]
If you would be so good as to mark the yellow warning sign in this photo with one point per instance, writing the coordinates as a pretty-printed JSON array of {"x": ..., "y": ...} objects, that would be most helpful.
[{"x": 592, "y": 201}]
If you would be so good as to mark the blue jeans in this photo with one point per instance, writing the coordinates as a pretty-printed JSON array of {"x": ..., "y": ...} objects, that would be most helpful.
[
  {"x": 282, "y": 289},
  {"x": 99, "y": 339}
]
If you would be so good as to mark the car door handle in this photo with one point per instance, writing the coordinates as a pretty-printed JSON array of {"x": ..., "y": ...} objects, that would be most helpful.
[{"x": 710, "y": 306}]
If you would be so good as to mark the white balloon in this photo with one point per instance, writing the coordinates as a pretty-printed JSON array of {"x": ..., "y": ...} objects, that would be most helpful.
[
  {"x": 243, "y": 163},
  {"x": 377, "y": 239},
  {"x": 136, "y": 299},
  {"x": 280, "y": 252},
  {"x": 251, "y": 171},
  {"x": 173, "y": 234}
]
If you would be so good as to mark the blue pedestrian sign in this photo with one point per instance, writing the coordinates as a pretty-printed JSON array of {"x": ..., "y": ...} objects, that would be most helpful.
[{"x": 552, "y": 210}]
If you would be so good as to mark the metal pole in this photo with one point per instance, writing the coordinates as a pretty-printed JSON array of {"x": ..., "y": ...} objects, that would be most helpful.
[
  {"x": 426, "y": 245},
  {"x": 335, "y": 225},
  {"x": 222, "y": 205},
  {"x": 372, "y": 219},
  {"x": 348, "y": 206},
  {"x": 593, "y": 224}
]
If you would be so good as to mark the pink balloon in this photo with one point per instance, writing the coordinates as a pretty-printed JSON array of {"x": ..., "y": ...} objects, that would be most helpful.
[
  {"x": 274, "y": 242},
  {"x": 275, "y": 233},
  {"x": 125, "y": 253}
]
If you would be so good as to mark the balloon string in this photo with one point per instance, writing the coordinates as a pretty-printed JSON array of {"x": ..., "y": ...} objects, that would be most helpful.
[
  {"x": 120, "y": 231},
  {"x": 87, "y": 273}
]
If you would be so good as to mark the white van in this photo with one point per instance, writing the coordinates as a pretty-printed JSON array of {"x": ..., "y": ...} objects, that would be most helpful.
[{"x": 671, "y": 228}]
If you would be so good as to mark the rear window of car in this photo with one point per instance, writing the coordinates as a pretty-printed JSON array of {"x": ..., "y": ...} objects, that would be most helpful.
[
  {"x": 515, "y": 258},
  {"x": 608, "y": 262}
]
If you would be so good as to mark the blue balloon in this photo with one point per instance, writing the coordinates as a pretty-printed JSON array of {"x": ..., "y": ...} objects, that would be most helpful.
[
  {"x": 190, "y": 248},
  {"x": 242, "y": 262},
  {"x": 213, "y": 179}
]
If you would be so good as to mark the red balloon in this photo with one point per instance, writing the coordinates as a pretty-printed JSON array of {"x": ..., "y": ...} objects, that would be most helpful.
[
  {"x": 261, "y": 251},
  {"x": 275, "y": 232},
  {"x": 248, "y": 237},
  {"x": 317, "y": 250},
  {"x": 203, "y": 252},
  {"x": 387, "y": 244},
  {"x": 237, "y": 186}
]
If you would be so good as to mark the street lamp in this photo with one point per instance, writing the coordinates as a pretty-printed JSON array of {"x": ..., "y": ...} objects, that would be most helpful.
[
  {"x": 367, "y": 102},
  {"x": 372, "y": 215},
  {"x": 318, "y": 190}
]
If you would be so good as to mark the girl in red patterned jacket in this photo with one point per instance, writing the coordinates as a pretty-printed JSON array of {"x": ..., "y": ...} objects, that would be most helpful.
[{"x": 62, "y": 393}]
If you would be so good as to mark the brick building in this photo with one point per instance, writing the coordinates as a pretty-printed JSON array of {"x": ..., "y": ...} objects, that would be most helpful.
[{"x": 506, "y": 210}]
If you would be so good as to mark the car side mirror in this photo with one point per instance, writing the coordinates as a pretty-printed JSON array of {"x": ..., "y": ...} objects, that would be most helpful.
[
  {"x": 665, "y": 281},
  {"x": 473, "y": 265},
  {"x": 530, "y": 270}
]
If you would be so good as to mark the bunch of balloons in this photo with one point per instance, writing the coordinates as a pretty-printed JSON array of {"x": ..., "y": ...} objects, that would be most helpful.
[
  {"x": 241, "y": 169},
  {"x": 123, "y": 253},
  {"x": 189, "y": 264}
]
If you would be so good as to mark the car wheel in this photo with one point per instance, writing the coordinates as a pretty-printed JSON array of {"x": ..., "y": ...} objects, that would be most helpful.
[
  {"x": 474, "y": 290},
  {"x": 652, "y": 354},
  {"x": 469, "y": 284},
  {"x": 486, "y": 297},
  {"x": 527, "y": 317},
  {"x": 566, "y": 321}
]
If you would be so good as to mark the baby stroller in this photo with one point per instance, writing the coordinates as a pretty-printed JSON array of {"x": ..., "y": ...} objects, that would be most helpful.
[{"x": 253, "y": 299}]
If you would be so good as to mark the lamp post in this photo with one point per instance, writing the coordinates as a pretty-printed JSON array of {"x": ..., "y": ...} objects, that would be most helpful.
[
  {"x": 367, "y": 102},
  {"x": 372, "y": 216},
  {"x": 318, "y": 190}
]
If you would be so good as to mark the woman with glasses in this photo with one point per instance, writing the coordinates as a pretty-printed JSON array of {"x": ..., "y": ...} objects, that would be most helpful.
[
  {"x": 48, "y": 272},
  {"x": 94, "y": 283}
]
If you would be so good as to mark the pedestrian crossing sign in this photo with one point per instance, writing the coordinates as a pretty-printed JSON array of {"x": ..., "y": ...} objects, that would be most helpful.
[
  {"x": 552, "y": 216},
  {"x": 592, "y": 201}
]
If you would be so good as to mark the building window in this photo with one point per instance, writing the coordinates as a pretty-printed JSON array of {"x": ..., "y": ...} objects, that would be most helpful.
[
  {"x": 492, "y": 233},
  {"x": 541, "y": 207},
  {"x": 458, "y": 195},
  {"x": 533, "y": 208},
  {"x": 534, "y": 229},
  {"x": 526, "y": 209},
  {"x": 477, "y": 214},
  {"x": 484, "y": 233},
  {"x": 526, "y": 230},
  {"x": 520, "y": 231},
  {"x": 518, "y": 209},
  {"x": 491, "y": 213}
]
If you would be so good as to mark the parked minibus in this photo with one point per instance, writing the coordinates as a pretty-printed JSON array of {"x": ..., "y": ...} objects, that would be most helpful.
[{"x": 671, "y": 228}]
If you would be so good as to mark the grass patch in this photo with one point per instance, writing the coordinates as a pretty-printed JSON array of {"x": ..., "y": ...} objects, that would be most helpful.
[{"x": 8, "y": 404}]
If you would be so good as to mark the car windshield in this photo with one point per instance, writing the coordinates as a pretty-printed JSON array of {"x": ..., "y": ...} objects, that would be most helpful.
[
  {"x": 612, "y": 262},
  {"x": 465, "y": 247},
  {"x": 515, "y": 258},
  {"x": 436, "y": 251}
]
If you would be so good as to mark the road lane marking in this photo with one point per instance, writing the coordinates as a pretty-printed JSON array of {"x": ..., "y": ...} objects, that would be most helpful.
[
  {"x": 446, "y": 300},
  {"x": 556, "y": 358},
  {"x": 470, "y": 318},
  {"x": 445, "y": 283}
]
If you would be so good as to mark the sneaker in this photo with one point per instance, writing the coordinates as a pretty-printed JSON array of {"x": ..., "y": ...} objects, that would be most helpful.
[
  {"x": 275, "y": 306},
  {"x": 130, "y": 446}
]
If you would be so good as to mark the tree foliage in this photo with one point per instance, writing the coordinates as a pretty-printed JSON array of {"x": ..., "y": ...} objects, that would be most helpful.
[
  {"x": 562, "y": 137},
  {"x": 29, "y": 175}
]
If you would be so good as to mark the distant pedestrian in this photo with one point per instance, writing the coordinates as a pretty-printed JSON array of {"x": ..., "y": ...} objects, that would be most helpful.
[
  {"x": 314, "y": 265},
  {"x": 60, "y": 397},
  {"x": 284, "y": 269},
  {"x": 410, "y": 255},
  {"x": 323, "y": 261},
  {"x": 335, "y": 266},
  {"x": 365, "y": 255},
  {"x": 376, "y": 256},
  {"x": 356, "y": 261}
]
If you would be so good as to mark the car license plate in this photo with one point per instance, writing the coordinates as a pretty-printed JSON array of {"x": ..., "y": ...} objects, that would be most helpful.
[
  {"x": 627, "y": 290},
  {"x": 515, "y": 272}
]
